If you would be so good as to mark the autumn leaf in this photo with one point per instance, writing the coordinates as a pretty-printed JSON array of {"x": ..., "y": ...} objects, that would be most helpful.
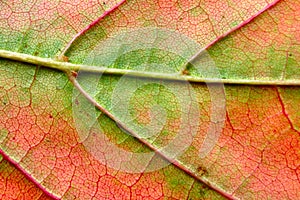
[{"x": 149, "y": 99}]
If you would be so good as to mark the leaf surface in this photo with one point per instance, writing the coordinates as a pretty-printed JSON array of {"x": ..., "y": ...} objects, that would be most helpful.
[
  {"x": 266, "y": 49},
  {"x": 44, "y": 27},
  {"x": 256, "y": 156},
  {"x": 14, "y": 185},
  {"x": 204, "y": 22}
]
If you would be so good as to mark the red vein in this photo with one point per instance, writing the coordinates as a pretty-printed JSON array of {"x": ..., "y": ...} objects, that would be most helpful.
[
  {"x": 27, "y": 175},
  {"x": 89, "y": 27},
  {"x": 284, "y": 110}
]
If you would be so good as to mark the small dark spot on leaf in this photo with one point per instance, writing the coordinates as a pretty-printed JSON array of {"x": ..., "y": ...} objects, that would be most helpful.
[
  {"x": 185, "y": 72},
  {"x": 75, "y": 74},
  {"x": 290, "y": 54},
  {"x": 65, "y": 58},
  {"x": 50, "y": 116},
  {"x": 104, "y": 3},
  {"x": 203, "y": 187},
  {"x": 201, "y": 171},
  {"x": 47, "y": 140},
  {"x": 94, "y": 134}
]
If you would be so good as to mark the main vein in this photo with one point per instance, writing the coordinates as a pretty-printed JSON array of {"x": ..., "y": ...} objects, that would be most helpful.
[{"x": 68, "y": 67}]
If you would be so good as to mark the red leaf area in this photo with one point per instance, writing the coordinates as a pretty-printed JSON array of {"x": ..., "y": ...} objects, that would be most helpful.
[
  {"x": 14, "y": 185},
  {"x": 257, "y": 156}
]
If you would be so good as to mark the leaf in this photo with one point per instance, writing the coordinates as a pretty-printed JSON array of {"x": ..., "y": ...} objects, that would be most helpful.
[
  {"x": 14, "y": 185},
  {"x": 44, "y": 27},
  {"x": 266, "y": 49},
  {"x": 257, "y": 154}
]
